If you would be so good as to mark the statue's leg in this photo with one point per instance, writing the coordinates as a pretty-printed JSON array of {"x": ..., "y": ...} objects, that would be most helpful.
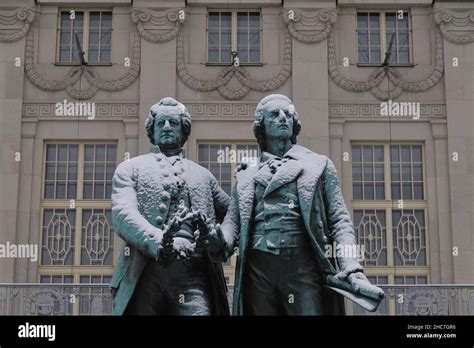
[
  {"x": 188, "y": 290},
  {"x": 261, "y": 275},
  {"x": 301, "y": 284},
  {"x": 148, "y": 297}
]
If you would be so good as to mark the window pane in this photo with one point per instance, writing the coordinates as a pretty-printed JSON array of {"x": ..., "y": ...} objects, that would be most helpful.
[
  {"x": 374, "y": 21},
  {"x": 403, "y": 55},
  {"x": 394, "y": 153},
  {"x": 50, "y": 171},
  {"x": 368, "y": 172},
  {"x": 97, "y": 239},
  {"x": 93, "y": 54},
  {"x": 396, "y": 194},
  {"x": 105, "y": 55},
  {"x": 363, "y": 54},
  {"x": 242, "y": 20},
  {"x": 406, "y": 172},
  {"x": 106, "y": 38},
  {"x": 60, "y": 165},
  {"x": 226, "y": 19},
  {"x": 100, "y": 153},
  {"x": 390, "y": 19},
  {"x": 379, "y": 172},
  {"x": 375, "y": 55},
  {"x": 367, "y": 152},
  {"x": 378, "y": 153},
  {"x": 106, "y": 20},
  {"x": 356, "y": 172},
  {"x": 99, "y": 167},
  {"x": 379, "y": 191},
  {"x": 94, "y": 37},
  {"x": 368, "y": 191},
  {"x": 363, "y": 38},
  {"x": 213, "y": 19},
  {"x": 371, "y": 233},
  {"x": 357, "y": 191},
  {"x": 362, "y": 20},
  {"x": 57, "y": 240},
  {"x": 409, "y": 237},
  {"x": 254, "y": 20},
  {"x": 374, "y": 38},
  {"x": 418, "y": 190},
  {"x": 254, "y": 56}
]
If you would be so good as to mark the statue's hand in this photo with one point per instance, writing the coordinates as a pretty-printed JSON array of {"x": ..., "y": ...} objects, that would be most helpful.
[
  {"x": 361, "y": 284},
  {"x": 183, "y": 248},
  {"x": 216, "y": 241}
]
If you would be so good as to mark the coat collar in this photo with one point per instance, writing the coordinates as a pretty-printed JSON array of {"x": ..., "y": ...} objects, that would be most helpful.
[
  {"x": 156, "y": 151},
  {"x": 289, "y": 169}
]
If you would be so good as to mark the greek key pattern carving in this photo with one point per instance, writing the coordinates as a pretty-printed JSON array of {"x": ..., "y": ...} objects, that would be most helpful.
[
  {"x": 373, "y": 110},
  {"x": 102, "y": 109},
  {"x": 157, "y": 19},
  {"x": 10, "y": 18},
  {"x": 198, "y": 110},
  {"x": 457, "y": 20}
]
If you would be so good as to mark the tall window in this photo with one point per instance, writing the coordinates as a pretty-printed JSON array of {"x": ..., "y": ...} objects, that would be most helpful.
[
  {"x": 233, "y": 31},
  {"x": 374, "y": 33},
  {"x": 221, "y": 159},
  {"x": 77, "y": 238},
  {"x": 93, "y": 30},
  {"x": 389, "y": 210}
]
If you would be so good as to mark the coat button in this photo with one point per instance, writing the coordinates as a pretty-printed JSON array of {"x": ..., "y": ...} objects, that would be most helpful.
[
  {"x": 165, "y": 174},
  {"x": 320, "y": 224},
  {"x": 159, "y": 220},
  {"x": 162, "y": 207}
]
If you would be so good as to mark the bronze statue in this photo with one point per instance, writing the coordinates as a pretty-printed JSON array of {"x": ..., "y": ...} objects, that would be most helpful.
[
  {"x": 159, "y": 201},
  {"x": 284, "y": 212}
]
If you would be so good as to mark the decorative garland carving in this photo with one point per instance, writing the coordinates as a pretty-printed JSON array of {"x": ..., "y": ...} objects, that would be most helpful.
[
  {"x": 327, "y": 17},
  {"x": 316, "y": 21},
  {"x": 457, "y": 19},
  {"x": 74, "y": 74},
  {"x": 157, "y": 18},
  {"x": 24, "y": 14},
  {"x": 226, "y": 74},
  {"x": 378, "y": 75}
]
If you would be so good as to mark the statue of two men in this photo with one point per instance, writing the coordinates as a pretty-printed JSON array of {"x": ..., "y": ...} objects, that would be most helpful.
[{"x": 282, "y": 214}]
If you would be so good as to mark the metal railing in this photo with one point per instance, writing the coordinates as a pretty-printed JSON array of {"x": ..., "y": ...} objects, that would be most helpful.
[{"x": 96, "y": 299}]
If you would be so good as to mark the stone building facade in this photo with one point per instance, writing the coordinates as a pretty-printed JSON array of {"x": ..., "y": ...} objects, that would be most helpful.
[{"x": 400, "y": 133}]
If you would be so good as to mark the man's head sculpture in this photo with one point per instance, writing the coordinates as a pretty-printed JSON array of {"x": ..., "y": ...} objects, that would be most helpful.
[
  {"x": 273, "y": 107},
  {"x": 168, "y": 123}
]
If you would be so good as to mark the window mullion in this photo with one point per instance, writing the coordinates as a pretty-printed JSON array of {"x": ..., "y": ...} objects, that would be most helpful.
[
  {"x": 85, "y": 33},
  {"x": 234, "y": 31},
  {"x": 80, "y": 172},
  {"x": 77, "y": 237},
  {"x": 383, "y": 40},
  {"x": 390, "y": 253},
  {"x": 388, "y": 173}
]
